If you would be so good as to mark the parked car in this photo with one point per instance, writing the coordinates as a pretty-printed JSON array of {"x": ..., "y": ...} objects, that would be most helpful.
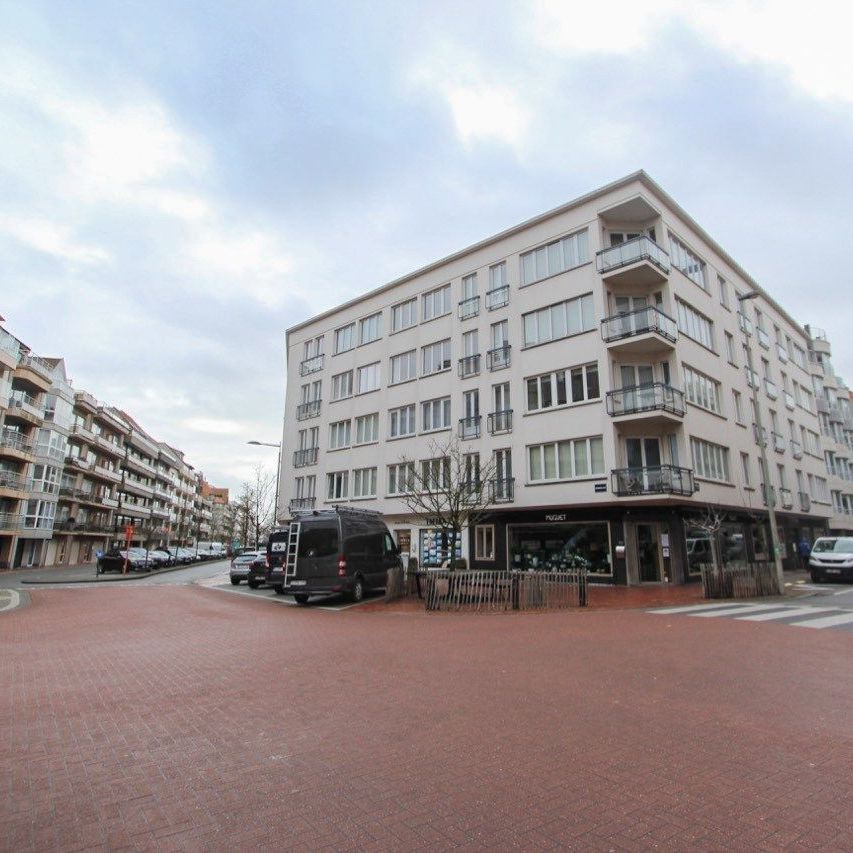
[
  {"x": 257, "y": 571},
  {"x": 162, "y": 557},
  {"x": 831, "y": 559},
  {"x": 339, "y": 550},
  {"x": 241, "y": 567},
  {"x": 143, "y": 558},
  {"x": 181, "y": 555},
  {"x": 114, "y": 561}
]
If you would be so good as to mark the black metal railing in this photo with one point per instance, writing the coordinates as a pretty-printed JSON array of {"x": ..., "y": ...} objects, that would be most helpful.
[
  {"x": 497, "y": 298},
  {"x": 499, "y": 422},
  {"x": 632, "y": 251},
  {"x": 469, "y": 308},
  {"x": 651, "y": 397},
  {"x": 499, "y": 357},
  {"x": 502, "y": 491},
  {"x": 297, "y": 504},
  {"x": 311, "y": 409},
  {"x": 639, "y": 322},
  {"x": 652, "y": 480},
  {"x": 469, "y": 427},
  {"x": 469, "y": 366},
  {"x": 308, "y": 456},
  {"x": 311, "y": 365}
]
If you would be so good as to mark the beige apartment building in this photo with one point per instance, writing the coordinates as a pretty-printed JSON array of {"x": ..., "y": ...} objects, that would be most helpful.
[{"x": 595, "y": 355}]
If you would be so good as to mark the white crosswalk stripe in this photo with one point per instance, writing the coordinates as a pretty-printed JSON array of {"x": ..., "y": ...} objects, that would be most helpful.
[
  {"x": 737, "y": 609},
  {"x": 785, "y": 613},
  {"x": 825, "y": 617},
  {"x": 827, "y": 621}
]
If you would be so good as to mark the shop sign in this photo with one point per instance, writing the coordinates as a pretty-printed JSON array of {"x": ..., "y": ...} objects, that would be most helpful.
[
  {"x": 601, "y": 487},
  {"x": 557, "y": 516}
]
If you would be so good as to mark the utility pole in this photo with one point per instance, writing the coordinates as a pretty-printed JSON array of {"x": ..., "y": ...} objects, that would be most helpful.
[{"x": 277, "y": 472}]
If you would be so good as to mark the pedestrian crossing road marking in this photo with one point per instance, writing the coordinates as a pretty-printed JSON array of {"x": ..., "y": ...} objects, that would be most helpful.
[{"x": 825, "y": 617}]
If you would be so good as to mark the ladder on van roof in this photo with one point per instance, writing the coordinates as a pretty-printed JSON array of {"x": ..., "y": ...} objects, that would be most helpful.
[{"x": 292, "y": 549}]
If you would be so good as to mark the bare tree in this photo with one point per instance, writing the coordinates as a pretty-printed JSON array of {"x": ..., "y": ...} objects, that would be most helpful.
[
  {"x": 451, "y": 488},
  {"x": 262, "y": 503},
  {"x": 710, "y": 522}
]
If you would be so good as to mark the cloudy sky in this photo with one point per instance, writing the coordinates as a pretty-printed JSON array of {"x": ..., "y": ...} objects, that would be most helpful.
[{"x": 182, "y": 181}]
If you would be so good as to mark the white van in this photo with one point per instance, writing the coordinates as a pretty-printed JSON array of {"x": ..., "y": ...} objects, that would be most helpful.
[{"x": 212, "y": 550}]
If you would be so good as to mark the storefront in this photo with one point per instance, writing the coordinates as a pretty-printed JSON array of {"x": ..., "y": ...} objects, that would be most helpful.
[{"x": 559, "y": 546}]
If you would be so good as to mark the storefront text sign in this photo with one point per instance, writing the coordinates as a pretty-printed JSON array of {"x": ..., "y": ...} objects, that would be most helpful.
[{"x": 560, "y": 516}]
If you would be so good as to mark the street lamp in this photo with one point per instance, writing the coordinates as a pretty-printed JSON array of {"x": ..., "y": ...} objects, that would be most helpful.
[
  {"x": 277, "y": 468},
  {"x": 769, "y": 492}
]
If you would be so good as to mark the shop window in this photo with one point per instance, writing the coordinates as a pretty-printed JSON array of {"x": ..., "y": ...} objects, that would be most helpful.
[
  {"x": 484, "y": 542},
  {"x": 561, "y": 547}
]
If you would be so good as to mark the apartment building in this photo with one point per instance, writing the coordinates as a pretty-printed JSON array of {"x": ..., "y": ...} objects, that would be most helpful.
[
  {"x": 596, "y": 356},
  {"x": 835, "y": 414}
]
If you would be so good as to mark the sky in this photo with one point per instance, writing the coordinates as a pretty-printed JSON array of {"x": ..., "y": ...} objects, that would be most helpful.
[{"x": 180, "y": 182}]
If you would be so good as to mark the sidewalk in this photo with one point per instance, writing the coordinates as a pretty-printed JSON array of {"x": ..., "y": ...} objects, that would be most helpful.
[{"x": 82, "y": 573}]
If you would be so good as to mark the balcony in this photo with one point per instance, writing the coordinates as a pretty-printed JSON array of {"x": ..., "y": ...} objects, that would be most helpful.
[
  {"x": 639, "y": 262},
  {"x": 497, "y": 298},
  {"x": 469, "y": 366},
  {"x": 499, "y": 358},
  {"x": 652, "y": 480},
  {"x": 499, "y": 422},
  {"x": 822, "y": 405},
  {"x": 311, "y": 409},
  {"x": 11, "y": 521},
  {"x": 502, "y": 491},
  {"x": 782, "y": 353},
  {"x": 470, "y": 427},
  {"x": 779, "y": 442},
  {"x": 27, "y": 406},
  {"x": 796, "y": 449},
  {"x": 12, "y": 482},
  {"x": 642, "y": 402},
  {"x": 79, "y": 462},
  {"x": 805, "y": 501},
  {"x": 819, "y": 340},
  {"x": 786, "y": 498},
  {"x": 763, "y": 338},
  {"x": 13, "y": 441},
  {"x": 789, "y": 400},
  {"x": 107, "y": 473},
  {"x": 771, "y": 389},
  {"x": 311, "y": 365},
  {"x": 10, "y": 350},
  {"x": 308, "y": 456},
  {"x": 643, "y": 331},
  {"x": 764, "y": 495},
  {"x": 469, "y": 308},
  {"x": 109, "y": 446},
  {"x": 301, "y": 504},
  {"x": 34, "y": 372}
]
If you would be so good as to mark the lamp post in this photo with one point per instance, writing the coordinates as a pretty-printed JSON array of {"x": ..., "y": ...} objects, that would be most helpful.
[
  {"x": 769, "y": 492},
  {"x": 277, "y": 445}
]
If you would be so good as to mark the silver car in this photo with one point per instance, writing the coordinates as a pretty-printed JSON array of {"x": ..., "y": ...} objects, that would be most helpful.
[{"x": 240, "y": 566}]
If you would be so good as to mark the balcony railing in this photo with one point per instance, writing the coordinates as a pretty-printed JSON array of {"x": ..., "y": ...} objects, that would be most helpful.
[
  {"x": 469, "y": 366},
  {"x": 497, "y": 298},
  {"x": 655, "y": 396},
  {"x": 771, "y": 389},
  {"x": 786, "y": 498},
  {"x": 14, "y": 521},
  {"x": 499, "y": 422},
  {"x": 760, "y": 438},
  {"x": 469, "y": 308},
  {"x": 763, "y": 338},
  {"x": 502, "y": 491},
  {"x": 311, "y": 365},
  {"x": 652, "y": 480},
  {"x": 782, "y": 353},
  {"x": 308, "y": 456},
  {"x": 639, "y": 322},
  {"x": 15, "y": 441},
  {"x": 805, "y": 501},
  {"x": 789, "y": 400},
  {"x": 311, "y": 409},
  {"x": 499, "y": 357},
  {"x": 796, "y": 449},
  {"x": 640, "y": 248},
  {"x": 9, "y": 344},
  {"x": 778, "y": 442},
  {"x": 11, "y": 480},
  {"x": 470, "y": 427},
  {"x": 37, "y": 364},
  {"x": 297, "y": 504}
]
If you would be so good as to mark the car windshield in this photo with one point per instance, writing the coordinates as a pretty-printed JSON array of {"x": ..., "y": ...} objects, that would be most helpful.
[{"x": 842, "y": 545}]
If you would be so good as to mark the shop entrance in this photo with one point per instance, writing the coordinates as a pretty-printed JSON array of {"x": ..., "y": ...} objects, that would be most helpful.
[{"x": 648, "y": 553}]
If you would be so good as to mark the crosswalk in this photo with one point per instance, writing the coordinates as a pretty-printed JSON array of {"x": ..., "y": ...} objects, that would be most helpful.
[{"x": 787, "y": 614}]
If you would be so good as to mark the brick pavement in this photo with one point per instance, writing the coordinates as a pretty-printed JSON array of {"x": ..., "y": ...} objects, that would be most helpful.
[{"x": 185, "y": 719}]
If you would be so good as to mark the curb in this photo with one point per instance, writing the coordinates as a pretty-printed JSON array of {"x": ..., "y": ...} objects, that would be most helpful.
[{"x": 135, "y": 576}]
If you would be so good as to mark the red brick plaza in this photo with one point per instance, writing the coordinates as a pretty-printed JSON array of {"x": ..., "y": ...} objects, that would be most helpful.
[{"x": 182, "y": 718}]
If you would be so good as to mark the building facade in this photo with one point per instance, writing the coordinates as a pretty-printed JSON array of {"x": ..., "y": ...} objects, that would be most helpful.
[{"x": 596, "y": 357}]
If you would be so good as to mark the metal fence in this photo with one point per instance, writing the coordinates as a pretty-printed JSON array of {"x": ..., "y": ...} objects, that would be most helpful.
[
  {"x": 739, "y": 580},
  {"x": 504, "y": 590}
]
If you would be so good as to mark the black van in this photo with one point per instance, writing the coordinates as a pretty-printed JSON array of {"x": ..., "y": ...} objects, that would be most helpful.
[{"x": 338, "y": 550}]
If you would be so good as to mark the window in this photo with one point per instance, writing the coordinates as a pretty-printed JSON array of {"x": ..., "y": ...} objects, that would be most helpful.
[
  {"x": 497, "y": 276},
  {"x": 401, "y": 478},
  {"x": 368, "y": 378},
  {"x": 401, "y": 421},
  {"x": 730, "y": 349},
  {"x": 342, "y": 385},
  {"x": 469, "y": 286},
  {"x": 435, "y": 473},
  {"x": 311, "y": 391},
  {"x": 404, "y": 366},
  {"x": 555, "y": 257},
  {"x": 695, "y": 325},
  {"x": 684, "y": 259},
  {"x": 798, "y": 356},
  {"x": 484, "y": 542},
  {"x": 744, "y": 462},
  {"x": 345, "y": 338},
  {"x": 367, "y": 428},
  {"x": 435, "y": 414},
  {"x": 312, "y": 348},
  {"x": 370, "y": 328},
  {"x": 404, "y": 315},
  {"x": 565, "y": 460},
  {"x": 738, "y": 406},
  {"x": 701, "y": 390},
  {"x": 364, "y": 483},
  {"x": 436, "y": 303},
  {"x": 559, "y": 321},
  {"x": 574, "y": 384},
  {"x": 710, "y": 460},
  {"x": 337, "y": 485},
  {"x": 724, "y": 291},
  {"x": 436, "y": 357},
  {"x": 340, "y": 434},
  {"x": 309, "y": 438}
]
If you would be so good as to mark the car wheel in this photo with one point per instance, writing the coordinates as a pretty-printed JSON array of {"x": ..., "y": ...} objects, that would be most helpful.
[
  {"x": 279, "y": 589},
  {"x": 357, "y": 592},
  {"x": 252, "y": 584},
  {"x": 235, "y": 581},
  {"x": 301, "y": 598}
]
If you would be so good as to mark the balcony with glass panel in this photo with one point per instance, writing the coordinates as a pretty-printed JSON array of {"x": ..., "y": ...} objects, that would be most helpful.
[
  {"x": 469, "y": 366},
  {"x": 499, "y": 357},
  {"x": 789, "y": 400},
  {"x": 819, "y": 340},
  {"x": 311, "y": 365},
  {"x": 301, "y": 504},
  {"x": 469, "y": 308},
  {"x": 639, "y": 261},
  {"x": 469, "y": 427},
  {"x": 10, "y": 350},
  {"x": 654, "y": 480},
  {"x": 805, "y": 501},
  {"x": 770, "y": 389},
  {"x": 500, "y": 422},
  {"x": 497, "y": 298},
  {"x": 796, "y": 449},
  {"x": 786, "y": 498},
  {"x": 645, "y": 330},
  {"x": 302, "y": 458},
  {"x": 502, "y": 491},
  {"x": 654, "y": 403},
  {"x": 311, "y": 409}
]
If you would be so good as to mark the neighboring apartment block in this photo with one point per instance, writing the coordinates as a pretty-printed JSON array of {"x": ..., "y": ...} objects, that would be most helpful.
[{"x": 596, "y": 356}]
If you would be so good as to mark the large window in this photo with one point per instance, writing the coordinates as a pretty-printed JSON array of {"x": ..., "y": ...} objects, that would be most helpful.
[
  {"x": 342, "y": 385},
  {"x": 555, "y": 257},
  {"x": 404, "y": 366},
  {"x": 367, "y": 428},
  {"x": 337, "y": 485},
  {"x": 368, "y": 378},
  {"x": 565, "y": 460},
  {"x": 689, "y": 263},
  {"x": 559, "y": 321},
  {"x": 436, "y": 303},
  {"x": 572, "y": 385},
  {"x": 710, "y": 460},
  {"x": 435, "y": 414},
  {"x": 401, "y": 421},
  {"x": 435, "y": 473},
  {"x": 364, "y": 483},
  {"x": 701, "y": 390},
  {"x": 340, "y": 434},
  {"x": 695, "y": 325},
  {"x": 345, "y": 338},
  {"x": 404, "y": 315},
  {"x": 436, "y": 357},
  {"x": 370, "y": 328},
  {"x": 401, "y": 478}
]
